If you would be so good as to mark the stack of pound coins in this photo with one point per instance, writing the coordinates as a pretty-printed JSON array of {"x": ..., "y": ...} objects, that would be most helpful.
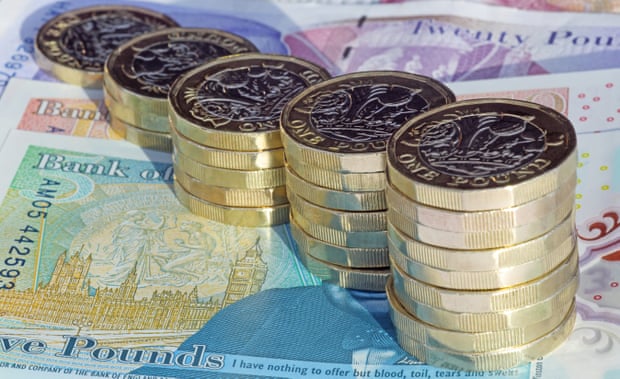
[
  {"x": 138, "y": 75},
  {"x": 335, "y": 135},
  {"x": 227, "y": 151},
  {"x": 481, "y": 233},
  {"x": 74, "y": 45}
]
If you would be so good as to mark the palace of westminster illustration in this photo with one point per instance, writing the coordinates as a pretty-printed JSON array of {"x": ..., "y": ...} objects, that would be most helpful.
[{"x": 67, "y": 297}]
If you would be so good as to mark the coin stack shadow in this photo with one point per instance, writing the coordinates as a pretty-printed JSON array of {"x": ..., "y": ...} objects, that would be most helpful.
[
  {"x": 334, "y": 136},
  {"x": 228, "y": 156},
  {"x": 138, "y": 74},
  {"x": 481, "y": 233}
]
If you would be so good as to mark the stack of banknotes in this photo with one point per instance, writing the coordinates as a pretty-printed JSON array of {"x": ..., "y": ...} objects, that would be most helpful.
[{"x": 106, "y": 273}]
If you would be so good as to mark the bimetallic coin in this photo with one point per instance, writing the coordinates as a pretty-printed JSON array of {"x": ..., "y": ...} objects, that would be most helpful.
[
  {"x": 365, "y": 279},
  {"x": 231, "y": 159},
  {"x": 232, "y": 197},
  {"x": 554, "y": 242},
  {"x": 343, "y": 124},
  {"x": 342, "y": 220},
  {"x": 353, "y": 181},
  {"x": 357, "y": 257},
  {"x": 330, "y": 198},
  {"x": 73, "y": 46},
  {"x": 479, "y": 280},
  {"x": 500, "y": 219},
  {"x": 494, "y": 359},
  {"x": 239, "y": 216},
  {"x": 223, "y": 177},
  {"x": 482, "y": 239},
  {"x": 340, "y": 237},
  {"x": 477, "y": 155},
  {"x": 468, "y": 342},
  {"x": 235, "y": 102},
  {"x": 141, "y": 137},
  {"x": 485, "y": 300},
  {"x": 496, "y": 320},
  {"x": 139, "y": 73}
]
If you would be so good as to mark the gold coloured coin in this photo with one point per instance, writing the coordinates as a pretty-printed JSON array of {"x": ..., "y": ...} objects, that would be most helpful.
[
  {"x": 485, "y": 300},
  {"x": 339, "y": 237},
  {"x": 330, "y": 198},
  {"x": 343, "y": 124},
  {"x": 554, "y": 242},
  {"x": 234, "y": 102},
  {"x": 489, "y": 321},
  {"x": 483, "y": 239},
  {"x": 500, "y": 219},
  {"x": 468, "y": 342},
  {"x": 371, "y": 181},
  {"x": 141, "y": 137},
  {"x": 233, "y": 197},
  {"x": 477, "y": 155},
  {"x": 248, "y": 179},
  {"x": 478, "y": 280},
  {"x": 74, "y": 45},
  {"x": 357, "y": 257},
  {"x": 231, "y": 159},
  {"x": 365, "y": 279},
  {"x": 148, "y": 121},
  {"x": 494, "y": 359},
  {"x": 139, "y": 73},
  {"x": 342, "y": 220},
  {"x": 239, "y": 216}
]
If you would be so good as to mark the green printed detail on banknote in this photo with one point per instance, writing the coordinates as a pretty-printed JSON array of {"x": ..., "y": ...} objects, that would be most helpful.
[{"x": 99, "y": 247}]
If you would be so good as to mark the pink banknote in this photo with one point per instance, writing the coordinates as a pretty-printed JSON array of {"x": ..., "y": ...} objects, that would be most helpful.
[
  {"x": 76, "y": 117},
  {"x": 560, "y": 5},
  {"x": 551, "y": 5},
  {"x": 555, "y": 98},
  {"x": 455, "y": 48}
]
